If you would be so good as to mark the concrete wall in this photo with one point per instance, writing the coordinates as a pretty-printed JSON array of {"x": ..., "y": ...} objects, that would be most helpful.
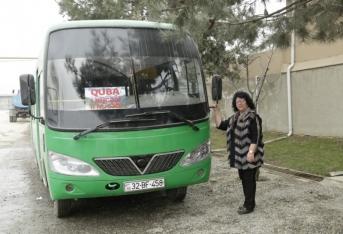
[
  {"x": 316, "y": 89},
  {"x": 316, "y": 98}
]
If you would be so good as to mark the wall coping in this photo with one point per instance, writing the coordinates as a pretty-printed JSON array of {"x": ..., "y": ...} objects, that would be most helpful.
[{"x": 307, "y": 65}]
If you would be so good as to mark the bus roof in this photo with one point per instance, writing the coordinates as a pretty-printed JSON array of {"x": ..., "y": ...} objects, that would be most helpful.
[{"x": 110, "y": 23}]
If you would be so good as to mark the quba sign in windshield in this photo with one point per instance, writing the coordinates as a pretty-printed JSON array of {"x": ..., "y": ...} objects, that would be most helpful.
[{"x": 105, "y": 98}]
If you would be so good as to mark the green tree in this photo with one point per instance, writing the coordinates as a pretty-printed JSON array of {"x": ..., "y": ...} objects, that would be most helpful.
[
  {"x": 216, "y": 58},
  {"x": 230, "y": 20},
  {"x": 311, "y": 20},
  {"x": 102, "y": 9},
  {"x": 217, "y": 25}
]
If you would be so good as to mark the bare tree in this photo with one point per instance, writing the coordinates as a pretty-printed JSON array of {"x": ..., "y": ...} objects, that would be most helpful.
[{"x": 256, "y": 87}]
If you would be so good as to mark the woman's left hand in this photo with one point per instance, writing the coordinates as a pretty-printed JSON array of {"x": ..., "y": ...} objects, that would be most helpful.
[{"x": 250, "y": 157}]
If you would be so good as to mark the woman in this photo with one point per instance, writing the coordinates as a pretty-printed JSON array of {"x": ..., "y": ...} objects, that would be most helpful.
[{"x": 244, "y": 144}]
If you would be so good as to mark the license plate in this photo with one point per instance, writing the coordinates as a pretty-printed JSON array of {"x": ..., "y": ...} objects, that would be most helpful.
[{"x": 139, "y": 185}]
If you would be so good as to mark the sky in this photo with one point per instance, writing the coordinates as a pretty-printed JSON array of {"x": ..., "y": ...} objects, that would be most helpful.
[{"x": 23, "y": 24}]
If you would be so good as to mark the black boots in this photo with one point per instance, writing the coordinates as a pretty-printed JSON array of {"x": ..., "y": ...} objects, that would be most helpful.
[{"x": 243, "y": 210}]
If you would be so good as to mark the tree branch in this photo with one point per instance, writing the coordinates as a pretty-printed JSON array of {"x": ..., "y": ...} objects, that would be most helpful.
[
  {"x": 261, "y": 82},
  {"x": 287, "y": 8},
  {"x": 178, "y": 8}
]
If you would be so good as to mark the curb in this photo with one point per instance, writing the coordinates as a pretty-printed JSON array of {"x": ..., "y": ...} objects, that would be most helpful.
[
  {"x": 304, "y": 175},
  {"x": 294, "y": 172}
]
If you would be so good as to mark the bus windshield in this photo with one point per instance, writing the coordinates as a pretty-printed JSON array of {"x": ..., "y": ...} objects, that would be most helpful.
[{"x": 95, "y": 75}]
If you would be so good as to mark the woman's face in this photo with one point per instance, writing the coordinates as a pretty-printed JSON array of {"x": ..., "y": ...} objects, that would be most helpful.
[{"x": 241, "y": 104}]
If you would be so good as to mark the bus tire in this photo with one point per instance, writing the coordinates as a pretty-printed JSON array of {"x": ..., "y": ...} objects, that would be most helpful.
[
  {"x": 62, "y": 208},
  {"x": 176, "y": 194},
  {"x": 14, "y": 118},
  {"x": 11, "y": 120}
]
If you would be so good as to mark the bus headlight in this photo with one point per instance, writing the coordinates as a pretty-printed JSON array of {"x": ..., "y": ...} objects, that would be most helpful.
[
  {"x": 197, "y": 155},
  {"x": 66, "y": 165}
]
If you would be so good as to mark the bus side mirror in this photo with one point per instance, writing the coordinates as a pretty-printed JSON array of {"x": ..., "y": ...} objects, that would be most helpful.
[
  {"x": 27, "y": 89},
  {"x": 216, "y": 88}
]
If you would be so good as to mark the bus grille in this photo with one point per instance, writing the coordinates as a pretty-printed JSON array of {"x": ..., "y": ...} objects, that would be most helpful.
[{"x": 140, "y": 164}]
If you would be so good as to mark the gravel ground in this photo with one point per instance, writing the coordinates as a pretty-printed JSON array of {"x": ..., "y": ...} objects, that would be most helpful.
[{"x": 285, "y": 204}]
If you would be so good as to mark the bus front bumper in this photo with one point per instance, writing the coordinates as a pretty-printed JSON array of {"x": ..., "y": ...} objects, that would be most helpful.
[{"x": 73, "y": 189}]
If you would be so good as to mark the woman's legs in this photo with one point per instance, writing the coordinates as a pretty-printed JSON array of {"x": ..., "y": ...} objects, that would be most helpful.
[{"x": 248, "y": 178}]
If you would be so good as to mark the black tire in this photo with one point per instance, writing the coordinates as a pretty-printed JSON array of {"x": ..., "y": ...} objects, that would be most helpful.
[
  {"x": 11, "y": 119},
  {"x": 62, "y": 208},
  {"x": 14, "y": 118},
  {"x": 177, "y": 194}
]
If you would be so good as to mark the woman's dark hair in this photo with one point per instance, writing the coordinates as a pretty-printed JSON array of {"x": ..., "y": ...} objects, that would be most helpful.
[{"x": 241, "y": 94}]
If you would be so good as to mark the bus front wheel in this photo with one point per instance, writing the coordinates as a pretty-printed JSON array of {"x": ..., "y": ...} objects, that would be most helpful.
[
  {"x": 176, "y": 194},
  {"x": 62, "y": 208}
]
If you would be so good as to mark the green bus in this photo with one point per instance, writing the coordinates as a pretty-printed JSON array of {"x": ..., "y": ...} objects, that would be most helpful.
[{"x": 116, "y": 110}]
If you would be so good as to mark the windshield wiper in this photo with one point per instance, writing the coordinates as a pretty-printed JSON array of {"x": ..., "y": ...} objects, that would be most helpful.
[
  {"x": 76, "y": 137},
  {"x": 190, "y": 123}
]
